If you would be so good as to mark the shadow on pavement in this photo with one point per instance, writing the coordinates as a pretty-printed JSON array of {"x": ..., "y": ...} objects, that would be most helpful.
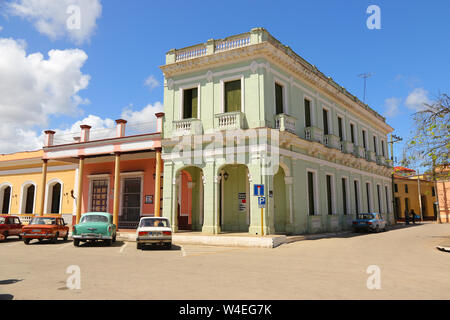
[
  {"x": 9, "y": 281},
  {"x": 100, "y": 243},
  {"x": 159, "y": 247}
]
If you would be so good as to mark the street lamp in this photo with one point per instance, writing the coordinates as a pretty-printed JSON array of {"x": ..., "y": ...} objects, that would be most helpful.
[{"x": 394, "y": 139}]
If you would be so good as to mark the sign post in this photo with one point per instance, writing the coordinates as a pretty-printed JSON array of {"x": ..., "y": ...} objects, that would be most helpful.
[{"x": 262, "y": 205}]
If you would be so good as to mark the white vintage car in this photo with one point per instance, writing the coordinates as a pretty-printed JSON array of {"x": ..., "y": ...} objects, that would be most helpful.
[{"x": 154, "y": 230}]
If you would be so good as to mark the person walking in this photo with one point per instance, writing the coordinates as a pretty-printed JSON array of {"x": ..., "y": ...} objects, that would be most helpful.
[
  {"x": 406, "y": 216},
  {"x": 413, "y": 214}
]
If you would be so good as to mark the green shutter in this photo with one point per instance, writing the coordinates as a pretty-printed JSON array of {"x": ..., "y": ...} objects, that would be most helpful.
[
  {"x": 190, "y": 103},
  {"x": 233, "y": 96},
  {"x": 194, "y": 103},
  {"x": 279, "y": 98}
]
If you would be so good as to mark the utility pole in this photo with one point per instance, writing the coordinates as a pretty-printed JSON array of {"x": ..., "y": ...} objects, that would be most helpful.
[
  {"x": 397, "y": 139},
  {"x": 365, "y": 76},
  {"x": 420, "y": 197},
  {"x": 436, "y": 192}
]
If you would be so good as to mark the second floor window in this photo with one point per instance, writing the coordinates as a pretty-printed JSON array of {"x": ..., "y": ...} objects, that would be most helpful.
[
  {"x": 352, "y": 132},
  {"x": 190, "y": 103},
  {"x": 325, "y": 121},
  {"x": 307, "y": 113},
  {"x": 341, "y": 135},
  {"x": 364, "y": 139},
  {"x": 375, "y": 144},
  {"x": 382, "y": 149},
  {"x": 233, "y": 96},
  {"x": 278, "y": 98}
]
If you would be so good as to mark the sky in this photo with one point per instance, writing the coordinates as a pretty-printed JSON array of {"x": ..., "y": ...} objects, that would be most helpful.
[{"x": 67, "y": 62}]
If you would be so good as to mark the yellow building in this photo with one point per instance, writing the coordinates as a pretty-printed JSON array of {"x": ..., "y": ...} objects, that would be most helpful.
[
  {"x": 21, "y": 185},
  {"x": 406, "y": 194}
]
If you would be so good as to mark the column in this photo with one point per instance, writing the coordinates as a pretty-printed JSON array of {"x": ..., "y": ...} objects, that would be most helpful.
[
  {"x": 175, "y": 203},
  {"x": 79, "y": 187},
  {"x": 218, "y": 193},
  {"x": 43, "y": 186},
  {"x": 158, "y": 183},
  {"x": 116, "y": 189},
  {"x": 290, "y": 223}
]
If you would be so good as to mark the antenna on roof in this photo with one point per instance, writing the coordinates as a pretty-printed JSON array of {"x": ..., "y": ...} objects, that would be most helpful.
[{"x": 365, "y": 76}]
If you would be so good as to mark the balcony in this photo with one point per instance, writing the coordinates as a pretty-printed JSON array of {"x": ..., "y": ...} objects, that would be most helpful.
[
  {"x": 229, "y": 120},
  {"x": 347, "y": 147},
  {"x": 284, "y": 122},
  {"x": 187, "y": 127},
  {"x": 314, "y": 134},
  {"x": 370, "y": 156},
  {"x": 332, "y": 141},
  {"x": 360, "y": 152},
  {"x": 381, "y": 161}
]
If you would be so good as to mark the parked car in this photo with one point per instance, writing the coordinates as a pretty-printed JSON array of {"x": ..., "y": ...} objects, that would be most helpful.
[
  {"x": 369, "y": 222},
  {"x": 49, "y": 227},
  {"x": 94, "y": 226},
  {"x": 10, "y": 226},
  {"x": 155, "y": 231}
]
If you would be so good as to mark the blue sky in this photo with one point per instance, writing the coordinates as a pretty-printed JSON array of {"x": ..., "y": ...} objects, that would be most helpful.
[{"x": 128, "y": 41}]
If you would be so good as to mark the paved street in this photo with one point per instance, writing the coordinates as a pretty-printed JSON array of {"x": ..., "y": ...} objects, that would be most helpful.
[{"x": 331, "y": 268}]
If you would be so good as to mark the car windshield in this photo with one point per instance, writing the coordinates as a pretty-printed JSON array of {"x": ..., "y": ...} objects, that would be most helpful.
[
  {"x": 2, "y": 220},
  {"x": 154, "y": 222},
  {"x": 366, "y": 216},
  {"x": 94, "y": 218},
  {"x": 48, "y": 221}
]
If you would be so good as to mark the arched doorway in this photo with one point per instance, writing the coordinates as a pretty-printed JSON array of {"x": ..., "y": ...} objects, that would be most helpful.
[
  {"x": 54, "y": 197},
  {"x": 189, "y": 204},
  {"x": 5, "y": 198},
  {"x": 234, "y": 204},
  {"x": 279, "y": 196},
  {"x": 28, "y": 198}
]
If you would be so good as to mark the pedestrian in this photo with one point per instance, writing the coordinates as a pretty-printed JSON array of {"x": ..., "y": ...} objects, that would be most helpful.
[
  {"x": 406, "y": 216},
  {"x": 413, "y": 216}
]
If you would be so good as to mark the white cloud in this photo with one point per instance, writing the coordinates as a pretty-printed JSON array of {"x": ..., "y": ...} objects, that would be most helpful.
[
  {"x": 151, "y": 82},
  {"x": 1, "y": 28},
  {"x": 75, "y": 19},
  {"x": 417, "y": 99},
  {"x": 32, "y": 88},
  {"x": 143, "y": 120},
  {"x": 392, "y": 107}
]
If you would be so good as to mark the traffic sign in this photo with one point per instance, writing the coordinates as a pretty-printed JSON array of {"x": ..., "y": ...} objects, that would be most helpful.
[
  {"x": 262, "y": 202},
  {"x": 258, "y": 190}
]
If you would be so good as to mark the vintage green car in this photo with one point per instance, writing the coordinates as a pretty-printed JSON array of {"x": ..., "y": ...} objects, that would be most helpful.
[{"x": 94, "y": 226}]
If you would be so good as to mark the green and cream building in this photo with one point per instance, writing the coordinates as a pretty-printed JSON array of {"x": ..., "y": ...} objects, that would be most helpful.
[{"x": 247, "y": 110}]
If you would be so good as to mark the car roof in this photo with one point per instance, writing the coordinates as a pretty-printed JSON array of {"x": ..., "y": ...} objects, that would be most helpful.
[
  {"x": 96, "y": 214},
  {"x": 142, "y": 218},
  {"x": 49, "y": 216},
  {"x": 8, "y": 215}
]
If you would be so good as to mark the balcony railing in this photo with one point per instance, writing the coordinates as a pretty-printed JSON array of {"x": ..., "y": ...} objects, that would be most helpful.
[
  {"x": 331, "y": 141},
  {"x": 370, "y": 156},
  {"x": 284, "y": 122},
  {"x": 187, "y": 127},
  {"x": 381, "y": 161},
  {"x": 314, "y": 134},
  {"x": 347, "y": 147},
  {"x": 229, "y": 120},
  {"x": 360, "y": 152}
]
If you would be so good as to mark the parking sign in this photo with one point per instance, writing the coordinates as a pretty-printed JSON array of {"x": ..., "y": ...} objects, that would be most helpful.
[{"x": 262, "y": 202}]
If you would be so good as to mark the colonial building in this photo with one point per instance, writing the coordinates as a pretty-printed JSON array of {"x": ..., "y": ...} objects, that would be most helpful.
[
  {"x": 247, "y": 110},
  {"x": 23, "y": 192},
  {"x": 414, "y": 192}
]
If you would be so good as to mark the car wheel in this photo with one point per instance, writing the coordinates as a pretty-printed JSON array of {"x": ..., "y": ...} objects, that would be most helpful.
[
  {"x": 26, "y": 241},
  {"x": 67, "y": 236},
  {"x": 55, "y": 239},
  {"x": 5, "y": 234},
  {"x": 76, "y": 242},
  {"x": 20, "y": 237},
  {"x": 114, "y": 238}
]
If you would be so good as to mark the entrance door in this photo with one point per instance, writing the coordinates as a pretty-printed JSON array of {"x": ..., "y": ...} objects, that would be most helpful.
[
  {"x": 99, "y": 195},
  {"x": 131, "y": 203}
]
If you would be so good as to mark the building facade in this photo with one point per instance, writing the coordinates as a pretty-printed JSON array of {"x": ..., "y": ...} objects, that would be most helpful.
[{"x": 246, "y": 110}]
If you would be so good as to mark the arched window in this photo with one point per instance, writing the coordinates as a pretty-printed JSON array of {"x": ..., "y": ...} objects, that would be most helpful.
[
  {"x": 29, "y": 198},
  {"x": 56, "y": 198},
  {"x": 6, "y": 198}
]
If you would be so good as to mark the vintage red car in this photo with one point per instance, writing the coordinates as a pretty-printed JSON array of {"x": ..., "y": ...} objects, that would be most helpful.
[
  {"x": 10, "y": 226},
  {"x": 50, "y": 227}
]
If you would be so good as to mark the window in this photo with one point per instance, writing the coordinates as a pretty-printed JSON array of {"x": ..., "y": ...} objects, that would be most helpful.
[
  {"x": 375, "y": 144},
  {"x": 131, "y": 201},
  {"x": 341, "y": 135},
  {"x": 364, "y": 139},
  {"x": 329, "y": 195},
  {"x": 368, "y": 196},
  {"x": 99, "y": 196},
  {"x": 386, "y": 194},
  {"x": 356, "y": 190},
  {"x": 433, "y": 192},
  {"x": 352, "y": 132},
  {"x": 325, "y": 121},
  {"x": 344, "y": 195},
  {"x": 395, "y": 187},
  {"x": 278, "y": 98},
  {"x": 382, "y": 149},
  {"x": 56, "y": 198},
  {"x": 29, "y": 202},
  {"x": 190, "y": 103},
  {"x": 6, "y": 199},
  {"x": 379, "y": 198},
  {"x": 406, "y": 188},
  {"x": 233, "y": 96},
  {"x": 311, "y": 199},
  {"x": 307, "y": 113}
]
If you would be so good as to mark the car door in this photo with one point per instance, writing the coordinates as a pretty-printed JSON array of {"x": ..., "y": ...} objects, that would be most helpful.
[
  {"x": 17, "y": 227},
  {"x": 10, "y": 226}
]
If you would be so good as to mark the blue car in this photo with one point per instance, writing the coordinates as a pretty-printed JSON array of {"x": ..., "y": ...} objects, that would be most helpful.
[{"x": 369, "y": 222}]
